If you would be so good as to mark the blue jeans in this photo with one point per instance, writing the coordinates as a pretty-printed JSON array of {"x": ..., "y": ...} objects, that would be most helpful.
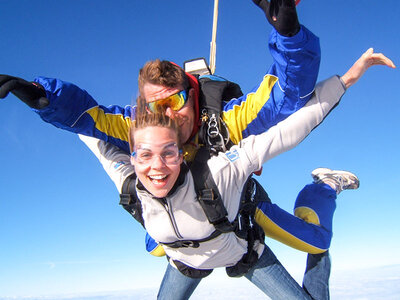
[
  {"x": 268, "y": 275},
  {"x": 176, "y": 286}
]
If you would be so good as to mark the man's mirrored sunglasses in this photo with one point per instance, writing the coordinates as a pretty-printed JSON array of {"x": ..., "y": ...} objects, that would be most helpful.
[{"x": 175, "y": 101}]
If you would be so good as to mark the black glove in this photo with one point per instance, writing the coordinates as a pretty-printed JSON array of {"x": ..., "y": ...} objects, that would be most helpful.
[
  {"x": 281, "y": 14},
  {"x": 32, "y": 93}
]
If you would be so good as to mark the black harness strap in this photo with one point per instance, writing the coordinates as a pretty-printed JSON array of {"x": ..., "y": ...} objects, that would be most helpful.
[
  {"x": 192, "y": 243},
  {"x": 129, "y": 199},
  {"x": 208, "y": 194}
]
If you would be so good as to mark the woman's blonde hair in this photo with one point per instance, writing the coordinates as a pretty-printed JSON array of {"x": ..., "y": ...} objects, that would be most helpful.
[{"x": 144, "y": 118}]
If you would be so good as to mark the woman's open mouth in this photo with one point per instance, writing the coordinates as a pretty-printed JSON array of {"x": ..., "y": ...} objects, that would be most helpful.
[{"x": 158, "y": 179}]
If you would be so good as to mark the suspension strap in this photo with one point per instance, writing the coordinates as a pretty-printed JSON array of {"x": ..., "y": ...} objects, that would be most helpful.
[
  {"x": 129, "y": 199},
  {"x": 208, "y": 194}
]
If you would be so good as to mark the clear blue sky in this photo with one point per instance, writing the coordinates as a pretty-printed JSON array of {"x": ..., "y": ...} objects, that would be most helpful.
[{"x": 61, "y": 227}]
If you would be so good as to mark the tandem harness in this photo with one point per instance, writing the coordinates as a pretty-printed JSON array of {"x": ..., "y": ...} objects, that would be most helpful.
[
  {"x": 213, "y": 137},
  {"x": 244, "y": 225}
]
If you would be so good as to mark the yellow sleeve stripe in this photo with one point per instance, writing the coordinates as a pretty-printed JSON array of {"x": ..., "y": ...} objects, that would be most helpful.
[
  {"x": 158, "y": 251},
  {"x": 238, "y": 117},
  {"x": 114, "y": 125},
  {"x": 272, "y": 230}
]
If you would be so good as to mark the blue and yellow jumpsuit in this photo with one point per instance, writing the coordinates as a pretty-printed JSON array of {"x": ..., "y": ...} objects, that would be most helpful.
[{"x": 287, "y": 86}]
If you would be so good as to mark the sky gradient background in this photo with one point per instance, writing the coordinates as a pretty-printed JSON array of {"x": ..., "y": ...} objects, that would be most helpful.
[{"x": 61, "y": 228}]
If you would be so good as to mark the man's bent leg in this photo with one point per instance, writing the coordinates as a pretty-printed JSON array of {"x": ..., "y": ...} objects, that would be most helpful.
[
  {"x": 272, "y": 278},
  {"x": 176, "y": 286}
]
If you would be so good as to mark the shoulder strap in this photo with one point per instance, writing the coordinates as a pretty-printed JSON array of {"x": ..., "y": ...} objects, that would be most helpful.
[
  {"x": 129, "y": 199},
  {"x": 207, "y": 192}
]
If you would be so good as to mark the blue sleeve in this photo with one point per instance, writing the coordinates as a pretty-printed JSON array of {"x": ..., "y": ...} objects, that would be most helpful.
[
  {"x": 153, "y": 247},
  {"x": 285, "y": 88},
  {"x": 296, "y": 64},
  {"x": 73, "y": 109}
]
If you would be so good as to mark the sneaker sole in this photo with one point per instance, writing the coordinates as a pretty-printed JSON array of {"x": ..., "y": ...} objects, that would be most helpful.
[{"x": 319, "y": 172}]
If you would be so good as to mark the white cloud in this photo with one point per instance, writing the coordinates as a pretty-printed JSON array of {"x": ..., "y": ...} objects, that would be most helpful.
[
  {"x": 373, "y": 283},
  {"x": 362, "y": 284}
]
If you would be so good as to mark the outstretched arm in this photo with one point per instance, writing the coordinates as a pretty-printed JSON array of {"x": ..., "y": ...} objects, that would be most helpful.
[
  {"x": 368, "y": 59},
  {"x": 288, "y": 133},
  {"x": 290, "y": 80},
  {"x": 71, "y": 108}
]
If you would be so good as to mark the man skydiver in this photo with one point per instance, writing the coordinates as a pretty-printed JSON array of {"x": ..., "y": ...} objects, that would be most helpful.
[
  {"x": 90, "y": 119},
  {"x": 286, "y": 88}
]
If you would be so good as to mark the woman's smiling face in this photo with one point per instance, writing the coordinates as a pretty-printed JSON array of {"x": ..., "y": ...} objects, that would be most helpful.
[{"x": 156, "y": 159}]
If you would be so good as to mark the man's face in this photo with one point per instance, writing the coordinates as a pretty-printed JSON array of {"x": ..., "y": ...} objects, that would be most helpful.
[{"x": 185, "y": 116}]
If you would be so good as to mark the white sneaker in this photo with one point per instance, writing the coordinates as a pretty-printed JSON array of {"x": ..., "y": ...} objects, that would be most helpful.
[{"x": 342, "y": 180}]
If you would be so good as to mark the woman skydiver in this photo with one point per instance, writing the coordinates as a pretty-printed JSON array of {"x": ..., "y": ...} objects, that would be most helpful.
[{"x": 171, "y": 211}]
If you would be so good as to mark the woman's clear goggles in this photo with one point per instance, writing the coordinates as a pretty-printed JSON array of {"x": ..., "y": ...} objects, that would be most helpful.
[
  {"x": 169, "y": 155},
  {"x": 175, "y": 101}
]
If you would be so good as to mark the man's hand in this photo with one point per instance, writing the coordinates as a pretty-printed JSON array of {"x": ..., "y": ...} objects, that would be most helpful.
[
  {"x": 31, "y": 93},
  {"x": 368, "y": 59},
  {"x": 281, "y": 14}
]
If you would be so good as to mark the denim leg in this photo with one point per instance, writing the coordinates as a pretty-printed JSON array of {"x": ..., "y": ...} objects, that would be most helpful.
[
  {"x": 176, "y": 286},
  {"x": 272, "y": 278},
  {"x": 316, "y": 278}
]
